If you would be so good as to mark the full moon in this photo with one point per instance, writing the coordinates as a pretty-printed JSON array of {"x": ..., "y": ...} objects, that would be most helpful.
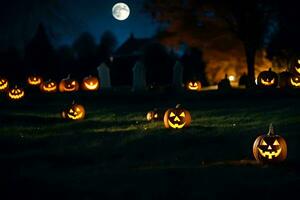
[{"x": 120, "y": 11}]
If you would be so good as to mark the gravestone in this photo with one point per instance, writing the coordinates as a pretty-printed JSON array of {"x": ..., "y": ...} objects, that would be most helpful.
[
  {"x": 104, "y": 76},
  {"x": 139, "y": 76},
  {"x": 177, "y": 75}
]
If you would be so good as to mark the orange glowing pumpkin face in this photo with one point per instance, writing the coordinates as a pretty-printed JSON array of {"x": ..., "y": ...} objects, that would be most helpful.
[
  {"x": 270, "y": 148},
  {"x": 267, "y": 79},
  {"x": 177, "y": 118},
  {"x": 68, "y": 85},
  {"x": 16, "y": 93},
  {"x": 154, "y": 115},
  {"x": 296, "y": 67},
  {"x": 3, "y": 84},
  {"x": 48, "y": 86},
  {"x": 75, "y": 112},
  {"x": 194, "y": 85},
  {"x": 90, "y": 83},
  {"x": 34, "y": 80},
  {"x": 295, "y": 81}
]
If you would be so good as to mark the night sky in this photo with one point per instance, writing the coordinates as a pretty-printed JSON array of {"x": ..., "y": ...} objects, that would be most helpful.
[{"x": 66, "y": 19}]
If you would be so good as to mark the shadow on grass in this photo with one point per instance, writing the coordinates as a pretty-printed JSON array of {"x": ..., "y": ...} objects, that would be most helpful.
[{"x": 22, "y": 120}]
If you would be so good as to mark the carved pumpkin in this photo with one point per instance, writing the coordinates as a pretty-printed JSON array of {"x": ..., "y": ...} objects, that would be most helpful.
[
  {"x": 154, "y": 115},
  {"x": 75, "y": 112},
  {"x": 295, "y": 81},
  {"x": 194, "y": 85},
  {"x": 177, "y": 118},
  {"x": 3, "y": 84},
  {"x": 267, "y": 79},
  {"x": 270, "y": 148},
  {"x": 16, "y": 93},
  {"x": 90, "y": 83},
  {"x": 48, "y": 86},
  {"x": 296, "y": 67},
  {"x": 34, "y": 80},
  {"x": 68, "y": 85}
]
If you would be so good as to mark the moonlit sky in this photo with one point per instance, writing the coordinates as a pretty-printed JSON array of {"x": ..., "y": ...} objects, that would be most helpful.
[
  {"x": 97, "y": 17},
  {"x": 67, "y": 19}
]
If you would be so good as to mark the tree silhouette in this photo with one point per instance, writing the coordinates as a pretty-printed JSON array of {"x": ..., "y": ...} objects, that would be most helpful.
[
  {"x": 283, "y": 48},
  {"x": 40, "y": 55},
  {"x": 108, "y": 44},
  {"x": 11, "y": 65},
  {"x": 250, "y": 21},
  {"x": 159, "y": 64},
  {"x": 66, "y": 60},
  {"x": 85, "y": 53},
  {"x": 20, "y": 18},
  {"x": 194, "y": 66},
  {"x": 200, "y": 23}
]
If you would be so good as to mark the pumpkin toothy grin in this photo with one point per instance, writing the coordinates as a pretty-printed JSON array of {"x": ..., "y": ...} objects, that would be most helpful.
[
  {"x": 4, "y": 86},
  {"x": 193, "y": 87},
  {"x": 269, "y": 154},
  {"x": 267, "y": 82},
  {"x": 176, "y": 125},
  {"x": 75, "y": 116},
  {"x": 296, "y": 84},
  {"x": 91, "y": 86}
]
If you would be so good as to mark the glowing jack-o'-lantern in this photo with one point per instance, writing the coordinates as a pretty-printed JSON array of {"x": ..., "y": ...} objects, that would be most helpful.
[
  {"x": 177, "y": 118},
  {"x": 194, "y": 85},
  {"x": 16, "y": 93},
  {"x": 34, "y": 80},
  {"x": 90, "y": 83},
  {"x": 270, "y": 148},
  {"x": 48, "y": 86},
  {"x": 68, "y": 85},
  {"x": 296, "y": 67},
  {"x": 75, "y": 112},
  {"x": 267, "y": 79},
  {"x": 3, "y": 84},
  {"x": 295, "y": 81},
  {"x": 154, "y": 115}
]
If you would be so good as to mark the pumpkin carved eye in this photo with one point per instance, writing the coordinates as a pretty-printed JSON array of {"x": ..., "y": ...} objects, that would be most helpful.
[
  {"x": 172, "y": 114},
  {"x": 276, "y": 143},
  {"x": 154, "y": 115},
  {"x": 182, "y": 114},
  {"x": 264, "y": 143}
]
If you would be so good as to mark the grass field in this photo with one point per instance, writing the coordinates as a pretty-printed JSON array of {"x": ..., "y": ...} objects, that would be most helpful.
[{"x": 115, "y": 154}]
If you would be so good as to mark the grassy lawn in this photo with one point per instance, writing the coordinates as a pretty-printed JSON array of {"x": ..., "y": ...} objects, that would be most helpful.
[{"x": 115, "y": 153}]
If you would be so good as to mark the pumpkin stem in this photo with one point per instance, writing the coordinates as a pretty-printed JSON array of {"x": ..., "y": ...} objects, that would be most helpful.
[
  {"x": 73, "y": 102},
  {"x": 271, "y": 130},
  {"x": 178, "y": 106},
  {"x": 270, "y": 69}
]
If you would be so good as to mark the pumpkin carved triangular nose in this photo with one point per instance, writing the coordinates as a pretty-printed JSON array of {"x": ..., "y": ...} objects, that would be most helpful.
[
  {"x": 269, "y": 147},
  {"x": 177, "y": 119}
]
